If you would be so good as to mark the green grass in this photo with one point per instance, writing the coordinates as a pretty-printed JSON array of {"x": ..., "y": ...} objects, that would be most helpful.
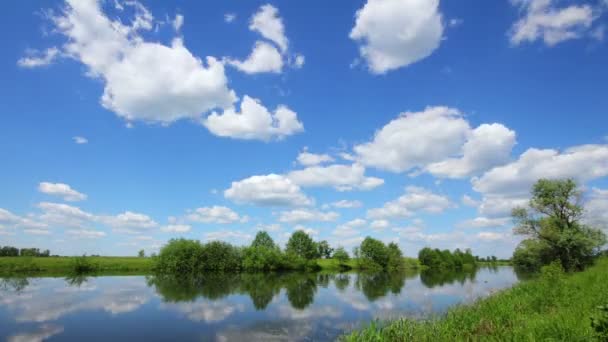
[
  {"x": 52, "y": 265},
  {"x": 334, "y": 265},
  {"x": 554, "y": 307}
]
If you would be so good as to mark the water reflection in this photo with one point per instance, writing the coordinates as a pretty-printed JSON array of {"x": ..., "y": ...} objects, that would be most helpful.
[{"x": 230, "y": 307}]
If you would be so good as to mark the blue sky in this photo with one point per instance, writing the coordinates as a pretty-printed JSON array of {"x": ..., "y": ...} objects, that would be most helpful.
[{"x": 125, "y": 124}]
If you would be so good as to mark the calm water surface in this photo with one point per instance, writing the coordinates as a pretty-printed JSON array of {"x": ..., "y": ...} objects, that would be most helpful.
[{"x": 246, "y": 307}]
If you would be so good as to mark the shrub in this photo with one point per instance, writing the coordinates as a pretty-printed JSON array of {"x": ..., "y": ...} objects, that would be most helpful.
[
  {"x": 219, "y": 256},
  {"x": 373, "y": 253},
  {"x": 341, "y": 255},
  {"x": 179, "y": 256},
  {"x": 82, "y": 265}
]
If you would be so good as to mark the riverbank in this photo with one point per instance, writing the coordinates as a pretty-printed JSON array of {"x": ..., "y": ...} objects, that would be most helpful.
[
  {"x": 554, "y": 307},
  {"x": 105, "y": 264},
  {"x": 29, "y": 265}
]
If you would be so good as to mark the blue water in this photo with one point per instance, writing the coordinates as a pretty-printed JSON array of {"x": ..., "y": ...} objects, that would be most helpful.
[{"x": 246, "y": 307}]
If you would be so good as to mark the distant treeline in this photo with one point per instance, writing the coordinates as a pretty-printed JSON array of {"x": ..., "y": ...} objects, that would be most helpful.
[
  {"x": 182, "y": 256},
  {"x": 9, "y": 251},
  {"x": 435, "y": 258}
]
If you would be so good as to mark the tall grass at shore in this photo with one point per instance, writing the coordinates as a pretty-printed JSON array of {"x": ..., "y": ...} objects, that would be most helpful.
[
  {"x": 556, "y": 307},
  {"x": 81, "y": 264}
]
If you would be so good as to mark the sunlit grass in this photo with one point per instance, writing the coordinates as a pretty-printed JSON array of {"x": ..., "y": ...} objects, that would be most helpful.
[
  {"x": 554, "y": 307},
  {"x": 67, "y": 264}
]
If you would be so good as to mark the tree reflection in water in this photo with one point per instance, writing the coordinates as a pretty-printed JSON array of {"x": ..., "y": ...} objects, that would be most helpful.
[
  {"x": 432, "y": 278},
  {"x": 16, "y": 284}
]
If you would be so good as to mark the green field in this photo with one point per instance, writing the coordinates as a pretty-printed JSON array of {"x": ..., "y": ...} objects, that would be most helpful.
[
  {"x": 130, "y": 264},
  {"x": 554, "y": 307},
  {"x": 65, "y": 264}
]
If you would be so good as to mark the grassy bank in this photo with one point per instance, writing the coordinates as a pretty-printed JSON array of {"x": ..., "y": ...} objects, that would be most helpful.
[
  {"x": 354, "y": 264},
  {"x": 66, "y": 264},
  {"x": 555, "y": 307},
  {"x": 59, "y": 265}
]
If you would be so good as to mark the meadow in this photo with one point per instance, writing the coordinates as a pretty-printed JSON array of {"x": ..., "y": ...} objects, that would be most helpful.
[
  {"x": 554, "y": 307},
  {"x": 62, "y": 265}
]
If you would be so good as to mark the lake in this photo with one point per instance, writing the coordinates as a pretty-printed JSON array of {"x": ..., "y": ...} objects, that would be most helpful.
[{"x": 239, "y": 307}]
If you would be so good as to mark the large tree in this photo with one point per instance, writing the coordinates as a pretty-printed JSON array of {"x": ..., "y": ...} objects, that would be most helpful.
[
  {"x": 301, "y": 244},
  {"x": 553, "y": 227},
  {"x": 262, "y": 239}
]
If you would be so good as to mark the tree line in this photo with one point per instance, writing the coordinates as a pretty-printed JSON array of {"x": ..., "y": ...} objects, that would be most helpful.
[{"x": 9, "y": 251}]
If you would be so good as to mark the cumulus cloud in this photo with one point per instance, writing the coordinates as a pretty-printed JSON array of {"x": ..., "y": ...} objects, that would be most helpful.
[
  {"x": 487, "y": 146},
  {"x": 263, "y": 58},
  {"x": 484, "y": 222},
  {"x": 596, "y": 209},
  {"x": 582, "y": 163},
  {"x": 341, "y": 177},
  {"x": 228, "y": 235},
  {"x": 346, "y": 204},
  {"x": 62, "y": 190},
  {"x": 64, "y": 215},
  {"x": 216, "y": 214},
  {"x": 176, "y": 228},
  {"x": 438, "y": 140},
  {"x": 349, "y": 228},
  {"x": 129, "y": 222},
  {"x": 87, "y": 234},
  {"x": 269, "y": 24},
  {"x": 379, "y": 224},
  {"x": 178, "y": 22},
  {"x": 415, "y": 139},
  {"x": 414, "y": 200},
  {"x": 397, "y": 33},
  {"x": 254, "y": 122},
  {"x": 267, "y": 190},
  {"x": 543, "y": 20},
  {"x": 306, "y": 215},
  {"x": 310, "y": 159}
]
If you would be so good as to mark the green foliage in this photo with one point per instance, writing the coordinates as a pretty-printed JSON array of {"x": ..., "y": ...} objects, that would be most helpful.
[
  {"x": 527, "y": 312},
  {"x": 141, "y": 253},
  {"x": 341, "y": 255},
  {"x": 9, "y": 251},
  {"x": 553, "y": 221},
  {"x": 395, "y": 257},
  {"x": 324, "y": 250},
  {"x": 219, "y": 256},
  {"x": 262, "y": 258},
  {"x": 599, "y": 323},
  {"x": 374, "y": 253},
  {"x": 262, "y": 239},
  {"x": 82, "y": 265},
  {"x": 301, "y": 245},
  {"x": 435, "y": 258},
  {"x": 180, "y": 256}
]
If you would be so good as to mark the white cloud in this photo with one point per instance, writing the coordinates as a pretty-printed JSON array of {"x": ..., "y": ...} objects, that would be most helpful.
[
  {"x": 80, "y": 140},
  {"x": 263, "y": 58},
  {"x": 492, "y": 236},
  {"x": 176, "y": 228},
  {"x": 6, "y": 217},
  {"x": 341, "y": 177},
  {"x": 343, "y": 204},
  {"x": 178, "y": 22},
  {"x": 414, "y": 200},
  {"x": 229, "y": 235},
  {"x": 267, "y": 190},
  {"x": 415, "y": 139},
  {"x": 274, "y": 227},
  {"x": 596, "y": 209},
  {"x": 35, "y": 59},
  {"x": 143, "y": 80},
  {"x": 469, "y": 201},
  {"x": 310, "y": 159},
  {"x": 500, "y": 205},
  {"x": 86, "y": 234},
  {"x": 298, "y": 61},
  {"x": 62, "y": 190},
  {"x": 380, "y": 224},
  {"x": 349, "y": 228},
  {"x": 484, "y": 222},
  {"x": 37, "y": 231},
  {"x": 306, "y": 215},
  {"x": 64, "y": 215},
  {"x": 229, "y": 17},
  {"x": 215, "y": 214},
  {"x": 270, "y": 25},
  {"x": 487, "y": 146},
  {"x": 543, "y": 20},
  {"x": 397, "y": 33},
  {"x": 581, "y": 163},
  {"x": 455, "y": 22},
  {"x": 254, "y": 122},
  {"x": 129, "y": 222}
]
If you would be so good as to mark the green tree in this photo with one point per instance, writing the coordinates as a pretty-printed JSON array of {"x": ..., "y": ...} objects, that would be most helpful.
[
  {"x": 262, "y": 239},
  {"x": 180, "y": 256},
  {"x": 553, "y": 219},
  {"x": 395, "y": 257},
  {"x": 324, "y": 250},
  {"x": 341, "y": 255},
  {"x": 141, "y": 253},
  {"x": 374, "y": 253},
  {"x": 301, "y": 245}
]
